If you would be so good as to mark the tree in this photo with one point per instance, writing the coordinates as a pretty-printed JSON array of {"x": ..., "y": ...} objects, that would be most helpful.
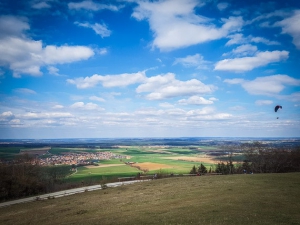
[
  {"x": 202, "y": 169},
  {"x": 193, "y": 170}
]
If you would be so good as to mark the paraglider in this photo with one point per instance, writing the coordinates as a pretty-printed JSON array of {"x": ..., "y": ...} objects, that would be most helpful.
[{"x": 276, "y": 108}]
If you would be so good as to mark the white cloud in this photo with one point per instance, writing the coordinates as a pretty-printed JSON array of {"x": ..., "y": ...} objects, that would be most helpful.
[
  {"x": 207, "y": 113},
  {"x": 90, "y": 5},
  {"x": 291, "y": 26},
  {"x": 196, "y": 60},
  {"x": 8, "y": 115},
  {"x": 120, "y": 80},
  {"x": 294, "y": 97},
  {"x": 263, "y": 102},
  {"x": 24, "y": 91},
  {"x": 175, "y": 24},
  {"x": 98, "y": 99},
  {"x": 222, "y": 5},
  {"x": 53, "y": 70},
  {"x": 195, "y": 100},
  {"x": 43, "y": 115},
  {"x": 166, "y": 105},
  {"x": 167, "y": 86},
  {"x": 159, "y": 87},
  {"x": 58, "y": 107},
  {"x": 11, "y": 26},
  {"x": 237, "y": 108},
  {"x": 263, "y": 40},
  {"x": 101, "y": 51},
  {"x": 87, "y": 106},
  {"x": 243, "y": 50},
  {"x": 41, "y": 5},
  {"x": 65, "y": 54},
  {"x": 269, "y": 85},
  {"x": 100, "y": 29},
  {"x": 249, "y": 63},
  {"x": 26, "y": 56},
  {"x": 237, "y": 39}
]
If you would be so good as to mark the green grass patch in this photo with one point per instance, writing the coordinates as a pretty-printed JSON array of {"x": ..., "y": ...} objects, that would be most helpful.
[{"x": 100, "y": 173}]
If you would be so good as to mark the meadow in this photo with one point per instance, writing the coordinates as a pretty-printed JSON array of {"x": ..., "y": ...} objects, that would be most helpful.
[{"x": 226, "y": 199}]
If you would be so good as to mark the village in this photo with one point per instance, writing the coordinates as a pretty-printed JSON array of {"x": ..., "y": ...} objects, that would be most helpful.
[{"x": 78, "y": 158}]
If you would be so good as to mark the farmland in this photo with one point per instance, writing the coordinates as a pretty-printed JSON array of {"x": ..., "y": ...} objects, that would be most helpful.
[
  {"x": 121, "y": 160},
  {"x": 109, "y": 159},
  {"x": 145, "y": 160}
]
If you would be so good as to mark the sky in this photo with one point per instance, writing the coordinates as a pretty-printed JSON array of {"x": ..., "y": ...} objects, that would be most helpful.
[{"x": 140, "y": 68}]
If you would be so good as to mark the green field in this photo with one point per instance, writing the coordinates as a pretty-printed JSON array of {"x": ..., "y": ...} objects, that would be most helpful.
[{"x": 259, "y": 199}]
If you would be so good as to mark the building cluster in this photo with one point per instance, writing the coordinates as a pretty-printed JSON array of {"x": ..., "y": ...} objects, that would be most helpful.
[{"x": 78, "y": 158}]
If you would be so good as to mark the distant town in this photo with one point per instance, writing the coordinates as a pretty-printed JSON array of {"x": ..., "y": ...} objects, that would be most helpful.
[{"x": 78, "y": 158}]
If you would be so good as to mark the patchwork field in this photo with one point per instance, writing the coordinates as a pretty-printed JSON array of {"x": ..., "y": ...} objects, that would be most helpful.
[
  {"x": 148, "y": 160},
  {"x": 136, "y": 159}
]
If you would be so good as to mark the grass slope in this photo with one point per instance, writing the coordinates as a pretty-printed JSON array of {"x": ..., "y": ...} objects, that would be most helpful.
[{"x": 233, "y": 199}]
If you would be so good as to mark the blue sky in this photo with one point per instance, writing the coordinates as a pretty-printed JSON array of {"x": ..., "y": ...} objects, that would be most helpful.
[{"x": 138, "y": 68}]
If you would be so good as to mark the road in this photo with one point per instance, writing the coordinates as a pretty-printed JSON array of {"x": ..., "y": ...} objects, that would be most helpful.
[{"x": 67, "y": 192}]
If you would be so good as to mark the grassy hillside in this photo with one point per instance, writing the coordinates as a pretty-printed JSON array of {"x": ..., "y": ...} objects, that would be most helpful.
[{"x": 232, "y": 199}]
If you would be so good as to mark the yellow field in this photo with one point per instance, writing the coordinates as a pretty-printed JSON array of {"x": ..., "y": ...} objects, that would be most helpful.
[{"x": 151, "y": 166}]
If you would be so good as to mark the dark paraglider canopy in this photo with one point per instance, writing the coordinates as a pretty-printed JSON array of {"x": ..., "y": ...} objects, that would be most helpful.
[{"x": 277, "y": 107}]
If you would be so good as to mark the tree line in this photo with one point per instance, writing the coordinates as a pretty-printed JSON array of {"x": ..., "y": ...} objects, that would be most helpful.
[
  {"x": 25, "y": 177},
  {"x": 259, "y": 158}
]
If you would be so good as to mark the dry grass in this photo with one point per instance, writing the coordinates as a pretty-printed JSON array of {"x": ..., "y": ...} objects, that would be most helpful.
[{"x": 233, "y": 199}]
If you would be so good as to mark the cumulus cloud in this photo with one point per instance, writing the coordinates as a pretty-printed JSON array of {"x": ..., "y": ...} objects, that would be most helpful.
[
  {"x": 196, "y": 60},
  {"x": 167, "y": 86},
  {"x": 196, "y": 100},
  {"x": 175, "y": 23},
  {"x": 249, "y": 63},
  {"x": 291, "y": 26},
  {"x": 100, "y": 29},
  {"x": 269, "y": 85},
  {"x": 158, "y": 87},
  {"x": 120, "y": 80},
  {"x": 27, "y": 56},
  {"x": 87, "y": 106}
]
